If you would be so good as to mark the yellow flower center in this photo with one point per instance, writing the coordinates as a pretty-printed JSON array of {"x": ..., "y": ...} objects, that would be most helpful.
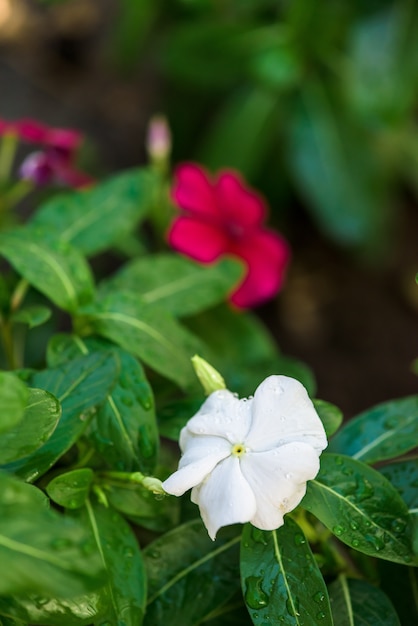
[{"x": 238, "y": 449}]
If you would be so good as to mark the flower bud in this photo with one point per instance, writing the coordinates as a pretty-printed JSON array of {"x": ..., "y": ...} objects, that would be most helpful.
[
  {"x": 158, "y": 141},
  {"x": 209, "y": 377}
]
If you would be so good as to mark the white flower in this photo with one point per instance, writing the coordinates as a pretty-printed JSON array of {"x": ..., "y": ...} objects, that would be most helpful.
[{"x": 249, "y": 460}]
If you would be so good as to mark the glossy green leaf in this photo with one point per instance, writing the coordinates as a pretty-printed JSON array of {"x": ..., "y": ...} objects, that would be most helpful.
[
  {"x": 143, "y": 508},
  {"x": 13, "y": 399},
  {"x": 179, "y": 285},
  {"x": 241, "y": 348},
  {"x": 382, "y": 432},
  {"x": 81, "y": 386},
  {"x": 146, "y": 331},
  {"x": 404, "y": 477},
  {"x": 336, "y": 171},
  {"x": 34, "y": 315},
  {"x": 71, "y": 489},
  {"x": 41, "y": 551},
  {"x": 357, "y": 602},
  {"x": 52, "y": 611},
  {"x": 96, "y": 219},
  {"x": 330, "y": 415},
  {"x": 124, "y": 432},
  {"x": 40, "y": 419},
  {"x": 189, "y": 575},
  {"x": 50, "y": 265},
  {"x": 125, "y": 591},
  {"x": 361, "y": 508},
  {"x": 281, "y": 581}
]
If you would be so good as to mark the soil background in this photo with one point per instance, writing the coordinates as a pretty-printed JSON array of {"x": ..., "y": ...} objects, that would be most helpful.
[{"x": 356, "y": 326}]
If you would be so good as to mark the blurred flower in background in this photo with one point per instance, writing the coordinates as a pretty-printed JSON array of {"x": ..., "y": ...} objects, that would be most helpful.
[
  {"x": 222, "y": 216},
  {"x": 56, "y": 161}
]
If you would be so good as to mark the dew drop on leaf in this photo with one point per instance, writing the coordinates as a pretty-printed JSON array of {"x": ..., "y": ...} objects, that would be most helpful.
[
  {"x": 319, "y": 596},
  {"x": 255, "y": 597},
  {"x": 258, "y": 536},
  {"x": 299, "y": 539},
  {"x": 338, "y": 530}
]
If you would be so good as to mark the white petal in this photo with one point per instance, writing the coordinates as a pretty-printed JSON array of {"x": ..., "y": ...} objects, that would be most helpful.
[
  {"x": 283, "y": 412},
  {"x": 223, "y": 415},
  {"x": 199, "y": 459},
  {"x": 225, "y": 497},
  {"x": 278, "y": 480}
]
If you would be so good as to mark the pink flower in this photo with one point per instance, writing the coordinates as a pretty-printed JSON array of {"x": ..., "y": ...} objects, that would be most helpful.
[
  {"x": 225, "y": 217},
  {"x": 55, "y": 161}
]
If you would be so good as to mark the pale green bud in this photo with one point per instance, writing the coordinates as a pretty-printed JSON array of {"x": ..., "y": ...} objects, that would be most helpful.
[{"x": 209, "y": 377}]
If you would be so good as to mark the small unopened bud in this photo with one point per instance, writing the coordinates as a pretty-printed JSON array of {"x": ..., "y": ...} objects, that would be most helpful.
[
  {"x": 37, "y": 169},
  {"x": 154, "y": 485},
  {"x": 209, "y": 377},
  {"x": 158, "y": 141}
]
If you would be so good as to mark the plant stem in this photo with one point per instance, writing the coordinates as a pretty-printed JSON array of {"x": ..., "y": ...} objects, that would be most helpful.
[
  {"x": 8, "y": 344},
  {"x": 8, "y": 147}
]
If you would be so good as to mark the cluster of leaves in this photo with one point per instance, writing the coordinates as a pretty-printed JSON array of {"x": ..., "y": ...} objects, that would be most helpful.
[
  {"x": 79, "y": 408},
  {"x": 319, "y": 99}
]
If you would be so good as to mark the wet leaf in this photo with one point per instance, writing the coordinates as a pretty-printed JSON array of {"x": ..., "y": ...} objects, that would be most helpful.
[
  {"x": 41, "y": 551},
  {"x": 382, "y": 432},
  {"x": 39, "y": 421},
  {"x": 71, "y": 489},
  {"x": 189, "y": 575},
  {"x": 281, "y": 581},
  {"x": 330, "y": 415},
  {"x": 80, "y": 385},
  {"x": 147, "y": 331},
  {"x": 357, "y": 602},
  {"x": 52, "y": 266},
  {"x": 361, "y": 508},
  {"x": 13, "y": 398}
]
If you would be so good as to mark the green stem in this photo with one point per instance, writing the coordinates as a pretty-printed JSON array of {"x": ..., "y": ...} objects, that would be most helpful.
[
  {"x": 18, "y": 192},
  {"x": 8, "y": 344},
  {"x": 19, "y": 294},
  {"x": 8, "y": 148}
]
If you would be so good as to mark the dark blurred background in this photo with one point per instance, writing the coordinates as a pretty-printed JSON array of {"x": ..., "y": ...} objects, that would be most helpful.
[{"x": 315, "y": 103}]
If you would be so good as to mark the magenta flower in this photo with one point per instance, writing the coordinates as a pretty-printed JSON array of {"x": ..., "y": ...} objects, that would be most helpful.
[
  {"x": 225, "y": 217},
  {"x": 55, "y": 162}
]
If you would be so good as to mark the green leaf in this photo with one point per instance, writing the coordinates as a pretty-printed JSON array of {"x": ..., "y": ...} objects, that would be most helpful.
[
  {"x": 125, "y": 431},
  {"x": 50, "y": 265},
  {"x": 404, "y": 477},
  {"x": 71, "y": 489},
  {"x": 146, "y": 331},
  {"x": 243, "y": 351},
  {"x": 357, "y": 602},
  {"x": 111, "y": 535},
  {"x": 361, "y": 508},
  {"x": 39, "y": 421},
  {"x": 226, "y": 145},
  {"x": 143, "y": 508},
  {"x": 172, "y": 417},
  {"x": 179, "y": 285},
  {"x": 189, "y": 576},
  {"x": 334, "y": 168},
  {"x": 51, "y": 611},
  {"x": 330, "y": 415},
  {"x": 280, "y": 579},
  {"x": 382, "y": 432},
  {"x": 41, "y": 551},
  {"x": 81, "y": 386},
  {"x": 13, "y": 398},
  {"x": 32, "y": 315},
  {"x": 96, "y": 219}
]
